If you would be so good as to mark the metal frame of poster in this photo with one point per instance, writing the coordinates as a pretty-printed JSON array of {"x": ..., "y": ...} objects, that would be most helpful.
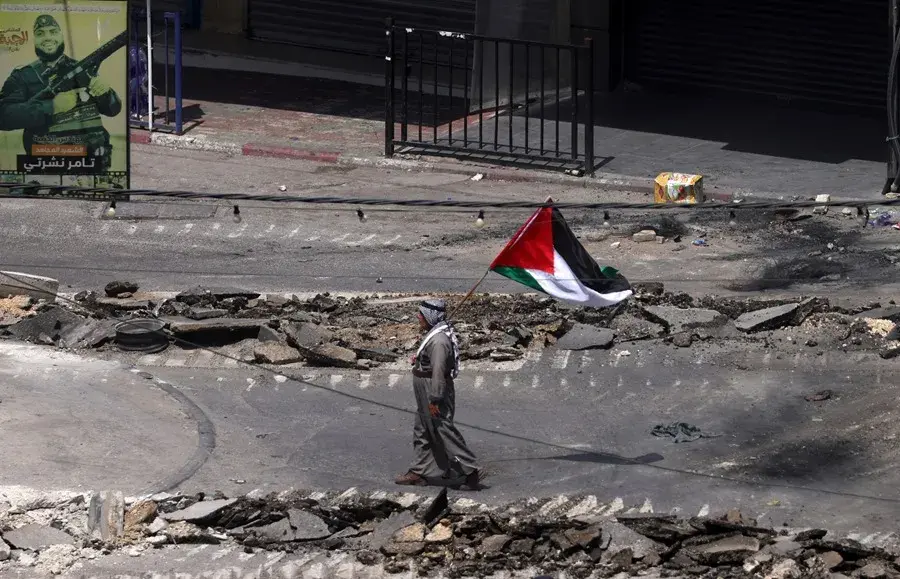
[{"x": 64, "y": 95}]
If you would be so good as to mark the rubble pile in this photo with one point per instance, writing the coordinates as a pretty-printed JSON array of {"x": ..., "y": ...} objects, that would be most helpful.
[
  {"x": 370, "y": 331},
  {"x": 406, "y": 532}
]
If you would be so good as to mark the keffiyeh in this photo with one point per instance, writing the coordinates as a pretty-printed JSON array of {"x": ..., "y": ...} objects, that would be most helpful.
[{"x": 435, "y": 313}]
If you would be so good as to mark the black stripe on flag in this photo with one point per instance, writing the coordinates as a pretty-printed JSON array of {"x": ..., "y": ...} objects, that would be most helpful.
[{"x": 580, "y": 261}]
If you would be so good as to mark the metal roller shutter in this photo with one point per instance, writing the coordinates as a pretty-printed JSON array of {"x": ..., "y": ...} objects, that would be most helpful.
[
  {"x": 354, "y": 26},
  {"x": 832, "y": 52},
  {"x": 190, "y": 13}
]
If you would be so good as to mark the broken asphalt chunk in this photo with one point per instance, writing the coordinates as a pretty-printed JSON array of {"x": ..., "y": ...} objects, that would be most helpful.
[
  {"x": 677, "y": 320},
  {"x": 663, "y": 528},
  {"x": 773, "y": 318},
  {"x": 585, "y": 337},
  {"x": 201, "y": 512},
  {"x": 276, "y": 353},
  {"x": 116, "y": 288},
  {"x": 34, "y": 537}
]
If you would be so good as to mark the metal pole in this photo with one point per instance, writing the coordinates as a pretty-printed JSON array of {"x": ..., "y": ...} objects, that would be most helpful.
[
  {"x": 389, "y": 91},
  {"x": 589, "y": 121},
  {"x": 179, "y": 119},
  {"x": 149, "y": 70}
]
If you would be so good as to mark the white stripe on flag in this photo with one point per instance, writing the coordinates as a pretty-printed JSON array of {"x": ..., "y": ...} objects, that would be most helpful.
[{"x": 564, "y": 286}]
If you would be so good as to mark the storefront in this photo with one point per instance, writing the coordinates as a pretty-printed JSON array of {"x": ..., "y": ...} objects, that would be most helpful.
[
  {"x": 351, "y": 26},
  {"x": 815, "y": 54}
]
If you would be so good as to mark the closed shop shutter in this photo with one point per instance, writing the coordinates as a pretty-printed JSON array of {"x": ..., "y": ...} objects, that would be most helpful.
[
  {"x": 190, "y": 10},
  {"x": 354, "y": 26},
  {"x": 834, "y": 52}
]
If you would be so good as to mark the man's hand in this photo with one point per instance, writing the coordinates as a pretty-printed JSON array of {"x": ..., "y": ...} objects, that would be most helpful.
[
  {"x": 97, "y": 87},
  {"x": 65, "y": 101},
  {"x": 434, "y": 410}
]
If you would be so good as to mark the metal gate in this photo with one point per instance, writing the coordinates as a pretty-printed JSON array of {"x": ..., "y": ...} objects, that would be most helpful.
[
  {"x": 189, "y": 9},
  {"x": 351, "y": 26},
  {"x": 831, "y": 53},
  {"x": 498, "y": 100}
]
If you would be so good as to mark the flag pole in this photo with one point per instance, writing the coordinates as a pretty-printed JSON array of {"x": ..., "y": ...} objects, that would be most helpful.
[{"x": 468, "y": 295}]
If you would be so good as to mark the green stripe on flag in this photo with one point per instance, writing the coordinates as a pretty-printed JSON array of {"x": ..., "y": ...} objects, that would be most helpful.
[
  {"x": 609, "y": 272},
  {"x": 519, "y": 275}
]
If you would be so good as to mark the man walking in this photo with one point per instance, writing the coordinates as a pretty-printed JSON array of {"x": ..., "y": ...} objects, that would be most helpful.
[{"x": 441, "y": 450}]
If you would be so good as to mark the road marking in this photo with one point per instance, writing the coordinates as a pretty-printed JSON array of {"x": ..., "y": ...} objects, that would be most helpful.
[
  {"x": 104, "y": 229},
  {"x": 585, "y": 360},
  {"x": 391, "y": 241},
  {"x": 176, "y": 362},
  {"x": 203, "y": 359},
  {"x": 507, "y": 381},
  {"x": 239, "y": 232},
  {"x": 335, "y": 379},
  {"x": 563, "y": 383},
  {"x": 535, "y": 381},
  {"x": 230, "y": 363},
  {"x": 560, "y": 360},
  {"x": 159, "y": 229},
  {"x": 215, "y": 227},
  {"x": 132, "y": 229},
  {"x": 148, "y": 360},
  {"x": 592, "y": 382},
  {"x": 704, "y": 511},
  {"x": 614, "y": 507},
  {"x": 392, "y": 380},
  {"x": 479, "y": 382},
  {"x": 362, "y": 241},
  {"x": 647, "y": 507},
  {"x": 313, "y": 238},
  {"x": 186, "y": 229},
  {"x": 266, "y": 232},
  {"x": 364, "y": 380},
  {"x": 294, "y": 232},
  {"x": 340, "y": 238}
]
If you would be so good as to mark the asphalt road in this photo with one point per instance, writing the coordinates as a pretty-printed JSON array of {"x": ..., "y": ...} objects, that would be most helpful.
[
  {"x": 167, "y": 245},
  {"x": 560, "y": 423}
]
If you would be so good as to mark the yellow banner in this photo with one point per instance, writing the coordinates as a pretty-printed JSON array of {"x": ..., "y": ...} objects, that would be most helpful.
[{"x": 64, "y": 95}]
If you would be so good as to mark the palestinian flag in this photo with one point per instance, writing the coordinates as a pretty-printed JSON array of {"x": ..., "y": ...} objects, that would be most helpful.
[{"x": 545, "y": 255}]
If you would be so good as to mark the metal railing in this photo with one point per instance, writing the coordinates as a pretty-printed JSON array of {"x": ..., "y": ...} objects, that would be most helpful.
[
  {"x": 168, "y": 118},
  {"x": 494, "y": 99}
]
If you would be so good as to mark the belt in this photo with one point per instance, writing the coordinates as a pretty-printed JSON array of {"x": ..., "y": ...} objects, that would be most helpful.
[{"x": 421, "y": 374}]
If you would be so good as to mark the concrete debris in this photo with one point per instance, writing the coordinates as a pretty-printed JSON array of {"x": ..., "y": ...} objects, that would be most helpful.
[
  {"x": 777, "y": 317},
  {"x": 276, "y": 353},
  {"x": 116, "y": 288},
  {"x": 106, "y": 515},
  {"x": 584, "y": 337},
  {"x": 5, "y": 550},
  {"x": 644, "y": 236},
  {"x": 34, "y": 537},
  {"x": 381, "y": 529},
  {"x": 200, "y": 512},
  {"x": 677, "y": 320}
]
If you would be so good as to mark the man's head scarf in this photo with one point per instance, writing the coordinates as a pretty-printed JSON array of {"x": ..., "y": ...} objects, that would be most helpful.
[{"x": 434, "y": 311}]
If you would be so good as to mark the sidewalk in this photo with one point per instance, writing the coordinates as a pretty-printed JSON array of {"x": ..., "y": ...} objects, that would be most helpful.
[{"x": 741, "y": 148}]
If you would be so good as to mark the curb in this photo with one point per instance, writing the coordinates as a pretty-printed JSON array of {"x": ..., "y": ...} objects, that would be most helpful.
[{"x": 602, "y": 181}]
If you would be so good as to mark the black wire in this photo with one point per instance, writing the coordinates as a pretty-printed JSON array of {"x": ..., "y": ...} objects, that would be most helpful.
[
  {"x": 581, "y": 451},
  {"x": 58, "y": 191}
]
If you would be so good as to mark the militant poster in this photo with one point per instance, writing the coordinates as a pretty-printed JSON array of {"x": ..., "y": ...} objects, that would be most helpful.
[{"x": 63, "y": 101}]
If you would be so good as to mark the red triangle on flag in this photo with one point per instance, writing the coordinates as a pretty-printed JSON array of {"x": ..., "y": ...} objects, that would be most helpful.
[{"x": 532, "y": 245}]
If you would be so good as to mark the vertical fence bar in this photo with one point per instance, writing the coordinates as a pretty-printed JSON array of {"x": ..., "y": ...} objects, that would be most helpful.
[
  {"x": 404, "y": 114},
  {"x": 389, "y": 91},
  {"x": 466, "y": 102},
  {"x": 421, "y": 93},
  {"x": 450, "y": 89},
  {"x": 166, "y": 22},
  {"x": 574, "y": 62},
  {"x": 558, "y": 107},
  {"x": 512, "y": 98},
  {"x": 496, "y": 93},
  {"x": 527, "y": 74},
  {"x": 434, "y": 114},
  {"x": 480, "y": 95},
  {"x": 543, "y": 96},
  {"x": 589, "y": 121},
  {"x": 179, "y": 116}
]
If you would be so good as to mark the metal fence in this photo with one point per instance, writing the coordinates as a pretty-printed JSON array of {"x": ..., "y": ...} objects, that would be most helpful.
[
  {"x": 496, "y": 99},
  {"x": 168, "y": 117}
]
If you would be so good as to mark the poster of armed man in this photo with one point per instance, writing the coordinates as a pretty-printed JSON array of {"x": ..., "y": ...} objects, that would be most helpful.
[{"x": 63, "y": 101}]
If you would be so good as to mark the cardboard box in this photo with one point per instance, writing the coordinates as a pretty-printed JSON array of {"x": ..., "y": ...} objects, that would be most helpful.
[{"x": 678, "y": 188}]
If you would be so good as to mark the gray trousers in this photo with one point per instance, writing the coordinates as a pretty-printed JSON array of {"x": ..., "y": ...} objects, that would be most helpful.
[{"x": 440, "y": 449}]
